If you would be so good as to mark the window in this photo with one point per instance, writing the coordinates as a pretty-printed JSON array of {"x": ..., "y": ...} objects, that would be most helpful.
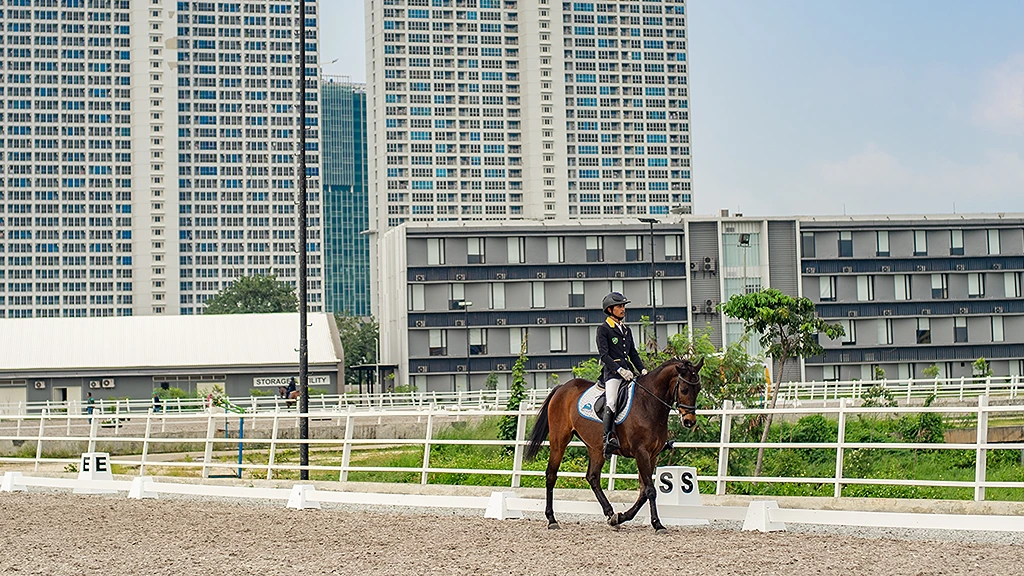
[
  {"x": 882, "y": 243},
  {"x": 997, "y": 328},
  {"x": 475, "y": 251},
  {"x": 976, "y": 285},
  {"x": 830, "y": 373},
  {"x": 435, "y": 251},
  {"x": 827, "y": 286},
  {"x": 517, "y": 250},
  {"x": 920, "y": 243},
  {"x": 1011, "y": 284},
  {"x": 593, "y": 339},
  {"x": 956, "y": 242},
  {"x": 885, "y": 331},
  {"x": 807, "y": 244},
  {"x": 576, "y": 294},
  {"x": 595, "y": 249},
  {"x": 657, "y": 293},
  {"x": 559, "y": 338},
  {"x": 850, "y": 338},
  {"x": 556, "y": 249},
  {"x": 416, "y": 297},
  {"x": 438, "y": 342},
  {"x": 846, "y": 244},
  {"x": 924, "y": 331},
  {"x": 456, "y": 295},
  {"x": 902, "y": 283},
  {"x": 516, "y": 338},
  {"x": 940, "y": 286},
  {"x": 537, "y": 295},
  {"x": 496, "y": 299},
  {"x": 865, "y": 288},
  {"x": 993, "y": 242},
  {"x": 674, "y": 247},
  {"x": 960, "y": 329},
  {"x": 616, "y": 286},
  {"x": 634, "y": 248},
  {"x": 477, "y": 341}
]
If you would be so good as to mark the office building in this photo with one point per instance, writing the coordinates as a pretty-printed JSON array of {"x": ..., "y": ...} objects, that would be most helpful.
[
  {"x": 148, "y": 153},
  {"x": 346, "y": 210}
]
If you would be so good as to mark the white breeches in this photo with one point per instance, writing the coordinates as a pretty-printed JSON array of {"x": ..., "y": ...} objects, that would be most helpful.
[{"x": 611, "y": 391}]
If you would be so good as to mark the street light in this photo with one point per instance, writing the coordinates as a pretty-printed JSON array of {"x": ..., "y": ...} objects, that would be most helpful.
[
  {"x": 465, "y": 304},
  {"x": 654, "y": 305},
  {"x": 303, "y": 288}
]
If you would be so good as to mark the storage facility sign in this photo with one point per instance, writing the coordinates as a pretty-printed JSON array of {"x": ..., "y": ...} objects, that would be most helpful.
[{"x": 278, "y": 381}]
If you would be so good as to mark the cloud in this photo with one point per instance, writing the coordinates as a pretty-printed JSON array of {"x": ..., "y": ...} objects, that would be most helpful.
[{"x": 1000, "y": 103}]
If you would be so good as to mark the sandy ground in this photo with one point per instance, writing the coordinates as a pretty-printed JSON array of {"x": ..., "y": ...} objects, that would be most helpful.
[{"x": 66, "y": 534}]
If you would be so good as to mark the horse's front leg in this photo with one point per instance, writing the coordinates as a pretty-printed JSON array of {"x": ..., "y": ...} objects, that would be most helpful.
[
  {"x": 596, "y": 462},
  {"x": 647, "y": 491}
]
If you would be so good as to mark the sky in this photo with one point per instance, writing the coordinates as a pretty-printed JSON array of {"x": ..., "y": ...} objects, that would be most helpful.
[{"x": 835, "y": 107}]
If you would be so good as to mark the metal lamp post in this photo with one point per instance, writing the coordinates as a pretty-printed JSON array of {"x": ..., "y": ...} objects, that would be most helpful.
[
  {"x": 303, "y": 288},
  {"x": 654, "y": 305}
]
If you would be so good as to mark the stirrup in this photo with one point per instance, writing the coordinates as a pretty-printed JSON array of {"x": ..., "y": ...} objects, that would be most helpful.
[{"x": 611, "y": 444}]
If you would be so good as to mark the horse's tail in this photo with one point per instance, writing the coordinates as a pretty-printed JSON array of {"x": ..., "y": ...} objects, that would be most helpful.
[{"x": 540, "y": 428}]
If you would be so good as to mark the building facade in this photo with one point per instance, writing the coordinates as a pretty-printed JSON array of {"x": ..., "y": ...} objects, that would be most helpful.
[
  {"x": 346, "y": 209},
  {"x": 911, "y": 292},
  {"x": 148, "y": 153}
]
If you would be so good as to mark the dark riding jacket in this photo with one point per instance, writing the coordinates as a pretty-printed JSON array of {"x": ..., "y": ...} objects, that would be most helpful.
[{"x": 617, "y": 350}]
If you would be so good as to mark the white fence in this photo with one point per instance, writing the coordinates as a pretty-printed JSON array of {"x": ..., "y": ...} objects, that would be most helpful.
[
  {"x": 790, "y": 394},
  {"x": 266, "y": 429}
]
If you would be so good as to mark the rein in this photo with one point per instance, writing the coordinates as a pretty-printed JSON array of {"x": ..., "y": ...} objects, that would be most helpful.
[{"x": 675, "y": 405}]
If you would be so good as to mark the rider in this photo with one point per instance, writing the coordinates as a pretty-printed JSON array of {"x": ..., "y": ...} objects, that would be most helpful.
[{"x": 619, "y": 358}]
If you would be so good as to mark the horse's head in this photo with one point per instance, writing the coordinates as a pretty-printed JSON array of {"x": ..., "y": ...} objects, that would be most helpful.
[{"x": 685, "y": 390}]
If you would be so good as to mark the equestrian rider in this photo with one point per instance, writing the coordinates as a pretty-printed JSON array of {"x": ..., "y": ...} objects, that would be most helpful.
[{"x": 619, "y": 359}]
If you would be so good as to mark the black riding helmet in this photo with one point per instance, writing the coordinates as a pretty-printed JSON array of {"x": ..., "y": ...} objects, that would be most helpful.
[{"x": 613, "y": 299}]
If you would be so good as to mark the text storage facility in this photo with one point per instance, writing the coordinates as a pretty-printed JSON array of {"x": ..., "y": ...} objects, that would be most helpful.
[{"x": 63, "y": 359}]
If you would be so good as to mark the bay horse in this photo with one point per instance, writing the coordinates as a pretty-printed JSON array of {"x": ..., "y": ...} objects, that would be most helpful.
[{"x": 642, "y": 436}]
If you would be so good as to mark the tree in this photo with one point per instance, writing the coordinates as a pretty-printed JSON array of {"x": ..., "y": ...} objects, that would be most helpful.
[
  {"x": 359, "y": 341},
  {"x": 981, "y": 368},
  {"x": 508, "y": 423},
  {"x": 788, "y": 329},
  {"x": 254, "y": 295}
]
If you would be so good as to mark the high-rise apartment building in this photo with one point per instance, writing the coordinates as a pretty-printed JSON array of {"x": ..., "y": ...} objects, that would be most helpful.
[
  {"x": 346, "y": 210},
  {"x": 148, "y": 153},
  {"x": 513, "y": 109}
]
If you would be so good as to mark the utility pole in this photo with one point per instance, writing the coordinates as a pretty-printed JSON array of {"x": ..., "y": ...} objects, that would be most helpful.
[
  {"x": 303, "y": 288},
  {"x": 654, "y": 305}
]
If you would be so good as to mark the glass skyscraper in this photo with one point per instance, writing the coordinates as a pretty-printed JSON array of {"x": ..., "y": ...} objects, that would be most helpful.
[{"x": 346, "y": 209}]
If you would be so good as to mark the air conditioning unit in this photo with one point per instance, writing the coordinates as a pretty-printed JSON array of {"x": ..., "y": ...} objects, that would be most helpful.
[
  {"x": 852, "y": 314},
  {"x": 620, "y": 274},
  {"x": 997, "y": 309},
  {"x": 107, "y": 383},
  {"x": 708, "y": 266},
  {"x": 460, "y": 277},
  {"x": 542, "y": 275},
  {"x": 886, "y": 268},
  {"x": 694, "y": 308},
  {"x": 501, "y": 367},
  {"x": 421, "y": 323},
  {"x": 962, "y": 310},
  {"x": 500, "y": 321},
  {"x": 887, "y": 312},
  {"x": 421, "y": 277},
  {"x": 709, "y": 309},
  {"x": 810, "y": 270},
  {"x": 707, "y": 260},
  {"x": 693, "y": 265},
  {"x": 94, "y": 384},
  {"x": 921, "y": 268},
  {"x": 847, "y": 269},
  {"x": 961, "y": 267},
  {"x": 460, "y": 322},
  {"x": 709, "y": 302},
  {"x": 542, "y": 320},
  {"x": 659, "y": 273},
  {"x": 39, "y": 384},
  {"x": 542, "y": 365},
  {"x": 997, "y": 266},
  {"x": 460, "y": 368},
  {"x": 581, "y": 274},
  {"x": 926, "y": 311},
  {"x": 581, "y": 320},
  {"x": 421, "y": 369},
  {"x": 499, "y": 276}
]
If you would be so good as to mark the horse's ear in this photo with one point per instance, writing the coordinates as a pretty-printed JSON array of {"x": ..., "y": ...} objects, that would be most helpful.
[{"x": 699, "y": 364}]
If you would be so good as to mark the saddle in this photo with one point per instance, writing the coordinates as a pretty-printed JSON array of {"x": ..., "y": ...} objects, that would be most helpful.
[{"x": 600, "y": 405}]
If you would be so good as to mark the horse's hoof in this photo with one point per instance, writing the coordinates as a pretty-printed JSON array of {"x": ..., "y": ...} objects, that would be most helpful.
[
  {"x": 554, "y": 526},
  {"x": 613, "y": 520},
  {"x": 661, "y": 531}
]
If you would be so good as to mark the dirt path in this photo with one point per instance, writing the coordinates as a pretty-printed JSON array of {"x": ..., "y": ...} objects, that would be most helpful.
[{"x": 64, "y": 534}]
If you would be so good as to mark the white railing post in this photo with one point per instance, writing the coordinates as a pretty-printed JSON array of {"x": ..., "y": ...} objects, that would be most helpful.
[
  {"x": 94, "y": 429},
  {"x": 211, "y": 428},
  {"x": 961, "y": 388},
  {"x": 145, "y": 442},
  {"x": 910, "y": 385},
  {"x": 723, "y": 448},
  {"x": 988, "y": 385},
  {"x": 517, "y": 457},
  {"x": 39, "y": 440},
  {"x": 117, "y": 419},
  {"x": 273, "y": 444},
  {"x": 613, "y": 465},
  {"x": 426, "y": 445},
  {"x": 981, "y": 454},
  {"x": 840, "y": 441},
  {"x": 346, "y": 452}
]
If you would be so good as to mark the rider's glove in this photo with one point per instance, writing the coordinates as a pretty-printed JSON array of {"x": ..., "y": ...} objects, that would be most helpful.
[
  {"x": 643, "y": 372},
  {"x": 626, "y": 374}
]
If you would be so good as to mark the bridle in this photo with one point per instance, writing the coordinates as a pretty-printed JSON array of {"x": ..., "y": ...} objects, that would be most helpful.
[{"x": 684, "y": 409}]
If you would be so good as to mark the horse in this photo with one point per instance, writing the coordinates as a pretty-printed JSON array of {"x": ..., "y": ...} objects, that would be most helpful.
[
  {"x": 289, "y": 398},
  {"x": 642, "y": 436}
]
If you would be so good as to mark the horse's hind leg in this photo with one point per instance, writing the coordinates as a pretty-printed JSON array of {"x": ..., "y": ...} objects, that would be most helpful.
[
  {"x": 557, "y": 442},
  {"x": 596, "y": 462},
  {"x": 648, "y": 492}
]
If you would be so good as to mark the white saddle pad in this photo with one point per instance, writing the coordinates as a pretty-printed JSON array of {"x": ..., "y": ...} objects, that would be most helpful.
[{"x": 585, "y": 406}]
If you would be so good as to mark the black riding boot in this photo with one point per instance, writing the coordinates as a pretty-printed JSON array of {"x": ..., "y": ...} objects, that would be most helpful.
[{"x": 611, "y": 444}]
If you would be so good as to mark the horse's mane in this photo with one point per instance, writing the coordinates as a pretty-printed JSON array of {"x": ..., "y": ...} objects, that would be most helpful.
[{"x": 673, "y": 361}]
